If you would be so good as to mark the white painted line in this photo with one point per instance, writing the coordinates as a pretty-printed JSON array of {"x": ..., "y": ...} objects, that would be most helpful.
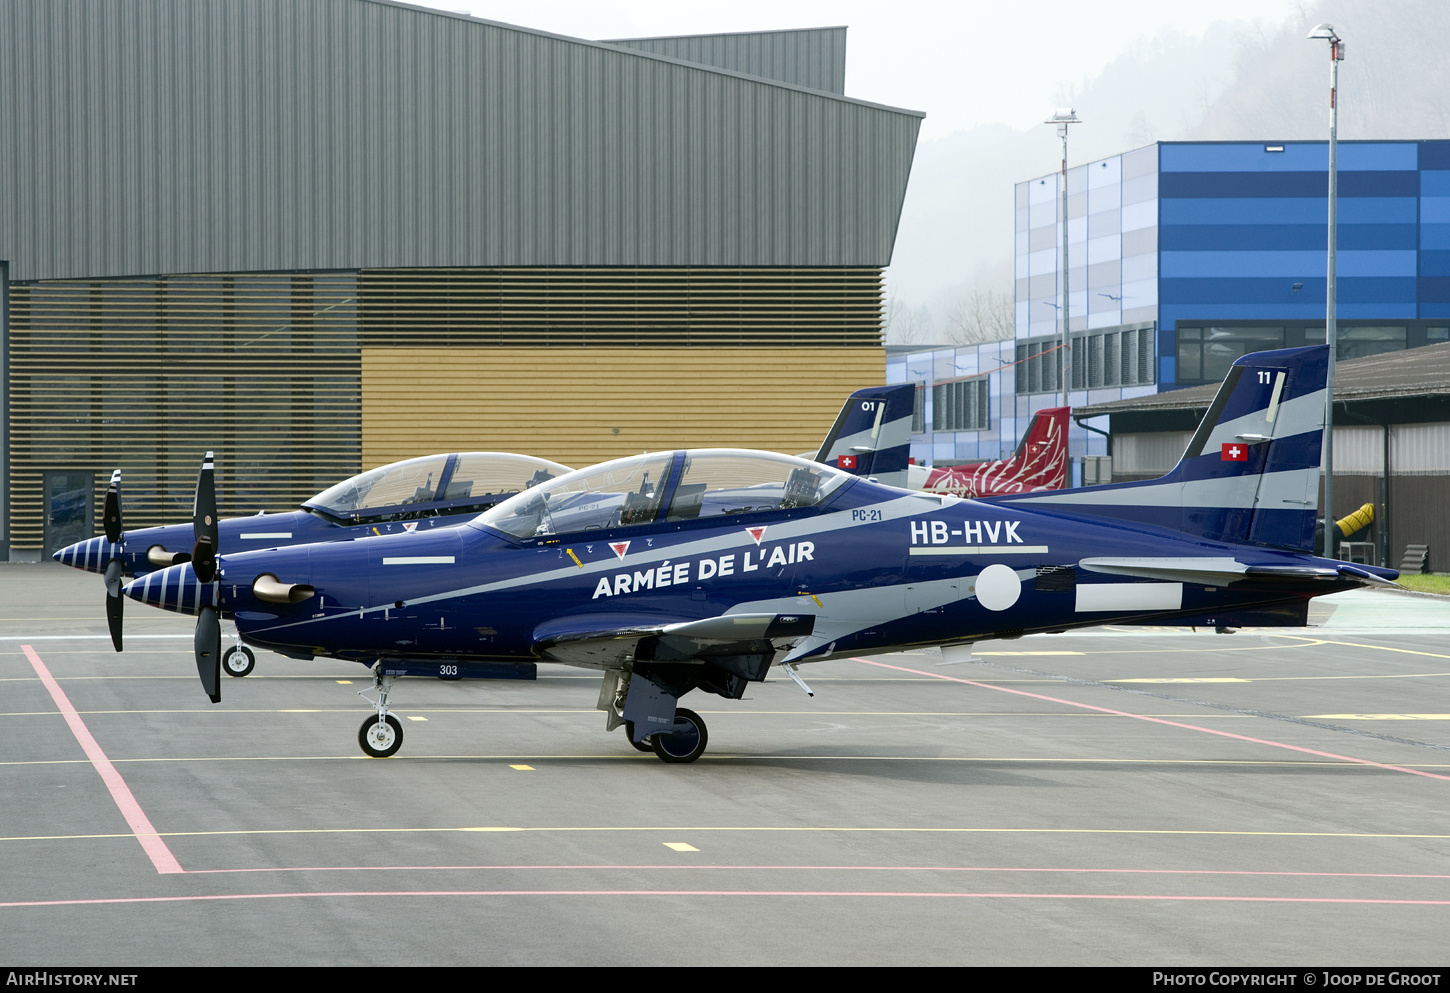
[
  {"x": 266, "y": 534},
  {"x": 980, "y": 550},
  {"x": 419, "y": 560}
]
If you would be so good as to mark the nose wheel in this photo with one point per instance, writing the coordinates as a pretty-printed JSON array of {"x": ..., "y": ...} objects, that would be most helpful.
[
  {"x": 380, "y": 737},
  {"x": 238, "y": 661}
]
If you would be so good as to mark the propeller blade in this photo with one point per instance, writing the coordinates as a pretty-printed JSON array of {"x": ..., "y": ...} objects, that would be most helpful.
[
  {"x": 111, "y": 516},
  {"x": 204, "y": 523},
  {"x": 208, "y": 645},
  {"x": 114, "y": 601}
]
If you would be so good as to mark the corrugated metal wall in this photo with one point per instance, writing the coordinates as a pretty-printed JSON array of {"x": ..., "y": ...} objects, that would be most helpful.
[
  {"x": 155, "y": 136},
  {"x": 814, "y": 57}
]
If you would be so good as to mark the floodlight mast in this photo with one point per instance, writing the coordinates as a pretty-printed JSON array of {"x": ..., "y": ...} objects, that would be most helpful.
[
  {"x": 1062, "y": 118},
  {"x": 1331, "y": 327}
]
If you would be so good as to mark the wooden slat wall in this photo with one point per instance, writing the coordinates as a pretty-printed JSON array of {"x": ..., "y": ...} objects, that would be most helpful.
[{"x": 565, "y": 403}]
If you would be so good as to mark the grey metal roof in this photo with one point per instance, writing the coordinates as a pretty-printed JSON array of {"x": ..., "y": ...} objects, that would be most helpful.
[
  {"x": 811, "y": 57},
  {"x": 154, "y": 136},
  {"x": 1406, "y": 374}
]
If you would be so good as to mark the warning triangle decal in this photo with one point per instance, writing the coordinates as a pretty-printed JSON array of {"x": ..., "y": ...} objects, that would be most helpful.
[
  {"x": 756, "y": 533},
  {"x": 620, "y": 547}
]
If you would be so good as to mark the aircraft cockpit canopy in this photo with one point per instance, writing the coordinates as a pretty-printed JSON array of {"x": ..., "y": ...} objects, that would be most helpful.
[
  {"x": 432, "y": 486},
  {"x": 666, "y": 486}
]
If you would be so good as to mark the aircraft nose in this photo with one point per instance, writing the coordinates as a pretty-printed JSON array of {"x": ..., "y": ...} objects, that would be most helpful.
[
  {"x": 90, "y": 555},
  {"x": 175, "y": 588}
]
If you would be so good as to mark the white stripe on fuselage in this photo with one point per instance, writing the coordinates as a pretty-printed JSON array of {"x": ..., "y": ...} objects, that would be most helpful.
[
  {"x": 979, "y": 550},
  {"x": 905, "y": 506}
]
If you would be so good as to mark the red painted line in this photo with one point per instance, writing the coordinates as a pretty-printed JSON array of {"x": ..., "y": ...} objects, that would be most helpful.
[
  {"x": 373, "y": 894},
  {"x": 140, "y": 825},
  {"x": 829, "y": 868},
  {"x": 1159, "y": 720}
]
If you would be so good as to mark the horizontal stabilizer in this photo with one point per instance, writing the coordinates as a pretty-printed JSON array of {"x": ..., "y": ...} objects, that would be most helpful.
[{"x": 1223, "y": 570}]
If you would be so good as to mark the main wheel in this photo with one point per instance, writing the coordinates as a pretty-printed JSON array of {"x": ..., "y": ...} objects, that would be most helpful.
[
  {"x": 644, "y": 746},
  {"x": 686, "y": 742},
  {"x": 238, "y": 661},
  {"x": 380, "y": 738}
]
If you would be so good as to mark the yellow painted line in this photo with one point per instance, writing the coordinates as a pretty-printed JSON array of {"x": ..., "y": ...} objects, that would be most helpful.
[
  {"x": 343, "y": 682},
  {"x": 1182, "y": 679},
  {"x": 574, "y": 557},
  {"x": 727, "y": 829},
  {"x": 1394, "y": 675},
  {"x": 1054, "y": 714},
  {"x": 738, "y": 757},
  {"x": 680, "y": 846},
  {"x": 1382, "y": 717},
  {"x": 1380, "y": 648},
  {"x": 1031, "y": 653},
  {"x": 522, "y": 768}
]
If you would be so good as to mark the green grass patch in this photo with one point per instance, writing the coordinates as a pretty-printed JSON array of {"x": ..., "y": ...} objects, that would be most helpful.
[{"x": 1426, "y": 582}]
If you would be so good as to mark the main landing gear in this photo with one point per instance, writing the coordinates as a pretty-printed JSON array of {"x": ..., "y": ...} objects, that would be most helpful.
[
  {"x": 644, "y": 700},
  {"x": 685, "y": 743}
]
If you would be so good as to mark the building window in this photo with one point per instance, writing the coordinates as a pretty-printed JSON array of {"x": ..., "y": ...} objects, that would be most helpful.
[
  {"x": 1206, "y": 353},
  {"x": 960, "y": 406},
  {"x": 1121, "y": 356},
  {"x": 1356, "y": 343},
  {"x": 1038, "y": 363},
  {"x": 918, "y": 409}
]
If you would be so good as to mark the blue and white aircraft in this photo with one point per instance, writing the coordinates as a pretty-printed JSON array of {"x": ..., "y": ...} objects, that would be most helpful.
[
  {"x": 699, "y": 570},
  {"x": 870, "y": 437},
  {"x": 422, "y": 493}
]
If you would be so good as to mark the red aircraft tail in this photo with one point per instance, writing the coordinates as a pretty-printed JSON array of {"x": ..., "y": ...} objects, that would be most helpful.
[{"x": 1040, "y": 463}]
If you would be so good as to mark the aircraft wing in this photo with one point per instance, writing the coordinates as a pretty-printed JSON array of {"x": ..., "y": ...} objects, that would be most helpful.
[
  {"x": 597, "y": 644},
  {"x": 1221, "y": 571}
]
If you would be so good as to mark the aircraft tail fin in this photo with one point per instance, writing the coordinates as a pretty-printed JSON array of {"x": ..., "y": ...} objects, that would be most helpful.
[
  {"x": 1251, "y": 472},
  {"x": 1040, "y": 463},
  {"x": 872, "y": 434}
]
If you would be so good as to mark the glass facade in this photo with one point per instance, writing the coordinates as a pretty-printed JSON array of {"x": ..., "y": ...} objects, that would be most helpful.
[{"x": 1185, "y": 256}]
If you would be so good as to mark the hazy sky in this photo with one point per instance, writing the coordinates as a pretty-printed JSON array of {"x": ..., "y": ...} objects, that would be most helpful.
[{"x": 964, "y": 63}]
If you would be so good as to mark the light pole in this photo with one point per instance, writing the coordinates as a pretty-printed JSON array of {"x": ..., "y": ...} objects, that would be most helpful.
[
  {"x": 1331, "y": 328},
  {"x": 1062, "y": 118}
]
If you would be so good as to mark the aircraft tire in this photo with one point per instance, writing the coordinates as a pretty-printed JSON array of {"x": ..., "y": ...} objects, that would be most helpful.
[
  {"x": 684, "y": 744},
  {"x": 378, "y": 739},
  {"x": 238, "y": 661},
  {"x": 643, "y": 746}
]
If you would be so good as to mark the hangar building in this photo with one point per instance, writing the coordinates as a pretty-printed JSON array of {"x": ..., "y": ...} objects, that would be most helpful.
[{"x": 321, "y": 235}]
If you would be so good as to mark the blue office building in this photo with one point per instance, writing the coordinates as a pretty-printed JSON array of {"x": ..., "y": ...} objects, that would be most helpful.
[{"x": 1184, "y": 256}]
